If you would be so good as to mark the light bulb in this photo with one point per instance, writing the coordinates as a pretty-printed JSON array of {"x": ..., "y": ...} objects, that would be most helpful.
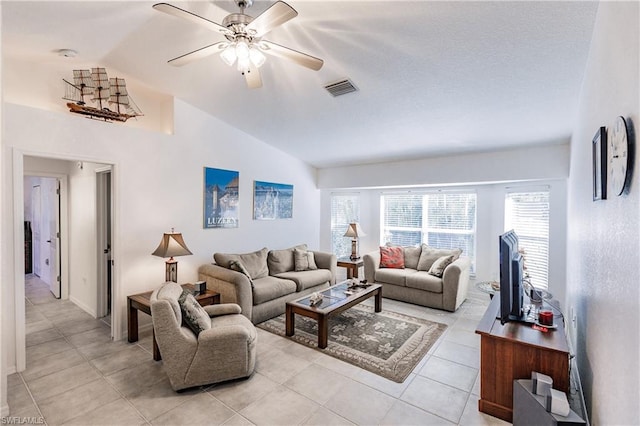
[
  {"x": 228, "y": 55},
  {"x": 256, "y": 56},
  {"x": 243, "y": 64},
  {"x": 242, "y": 50}
]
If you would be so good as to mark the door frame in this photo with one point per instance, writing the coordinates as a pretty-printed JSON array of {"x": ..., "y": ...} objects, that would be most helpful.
[
  {"x": 102, "y": 222},
  {"x": 18, "y": 245}
]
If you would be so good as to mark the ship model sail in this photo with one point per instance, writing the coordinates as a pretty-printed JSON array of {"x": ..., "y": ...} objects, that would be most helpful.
[{"x": 96, "y": 87}]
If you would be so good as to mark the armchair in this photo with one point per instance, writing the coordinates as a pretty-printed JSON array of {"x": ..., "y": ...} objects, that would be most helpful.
[{"x": 223, "y": 352}]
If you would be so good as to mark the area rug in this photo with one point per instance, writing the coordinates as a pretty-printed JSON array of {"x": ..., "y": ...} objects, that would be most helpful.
[{"x": 386, "y": 343}]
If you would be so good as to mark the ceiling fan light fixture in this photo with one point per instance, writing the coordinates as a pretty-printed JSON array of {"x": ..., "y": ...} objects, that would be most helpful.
[
  {"x": 228, "y": 55},
  {"x": 256, "y": 56}
]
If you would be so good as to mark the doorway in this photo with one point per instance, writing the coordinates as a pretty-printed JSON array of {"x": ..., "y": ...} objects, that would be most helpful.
[
  {"x": 104, "y": 226},
  {"x": 42, "y": 228}
]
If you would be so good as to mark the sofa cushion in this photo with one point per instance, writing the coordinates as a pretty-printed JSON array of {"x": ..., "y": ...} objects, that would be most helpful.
[
  {"x": 430, "y": 255},
  {"x": 304, "y": 260},
  {"x": 307, "y": 279},
  {"x": 422, "y": 280},
  {"x": 236, "y": 265},
  {"x": 255, "y": 262},
  {"x": 412, "y": 256},
  {"x": 393, "y": 276},
  {"x": 193, "y": 315},
  {"x": 269, "y": 288},
  {"x": 391, "y": 257},
  {"x": 438, "y": 267},
  {"x": 280, "y": 261}
]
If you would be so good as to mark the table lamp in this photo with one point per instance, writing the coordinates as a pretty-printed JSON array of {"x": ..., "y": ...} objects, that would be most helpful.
[
  {"x": 171, "y": 245},
  {"x": 354, "y": 231}
]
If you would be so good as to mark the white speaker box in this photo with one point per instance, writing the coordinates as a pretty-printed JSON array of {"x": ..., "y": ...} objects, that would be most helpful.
[
  {"x": 541, "y": 383},
  {"x": 557, "y": 402}
]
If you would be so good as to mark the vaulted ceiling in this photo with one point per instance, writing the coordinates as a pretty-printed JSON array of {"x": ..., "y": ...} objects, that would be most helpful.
[{"x": 433, "y": 78}]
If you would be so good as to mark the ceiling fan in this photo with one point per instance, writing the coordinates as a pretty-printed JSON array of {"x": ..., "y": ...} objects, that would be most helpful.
[{"x": 244, "y": 43}]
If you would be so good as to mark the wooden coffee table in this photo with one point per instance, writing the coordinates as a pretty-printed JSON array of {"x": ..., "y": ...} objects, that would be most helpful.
[{"x": 335, "y": 300}]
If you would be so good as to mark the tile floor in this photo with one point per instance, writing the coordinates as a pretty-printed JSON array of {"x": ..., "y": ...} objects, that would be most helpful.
[{"x": 76, "y": 375}]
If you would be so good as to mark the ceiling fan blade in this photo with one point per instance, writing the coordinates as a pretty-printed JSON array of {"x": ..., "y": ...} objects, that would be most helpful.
[
  {"x": 299, "y": 58},
  {"x": 198, "y": 54},
  {"x": 254, "y": 81},
  {"x": 184, "y": 14},
  {"x": 276, "y": 15}
]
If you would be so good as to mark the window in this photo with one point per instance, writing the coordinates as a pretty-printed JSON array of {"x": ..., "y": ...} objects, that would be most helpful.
[
  {"x": 527, "y": 213},
  {"x": 345, "y": 208},
  {"x": 442, "y": 220}
]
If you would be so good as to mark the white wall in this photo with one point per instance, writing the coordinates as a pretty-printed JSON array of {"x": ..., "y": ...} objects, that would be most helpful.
[
  {"x": 603, "y": 236},
  {"x": 158, "y": 184}
]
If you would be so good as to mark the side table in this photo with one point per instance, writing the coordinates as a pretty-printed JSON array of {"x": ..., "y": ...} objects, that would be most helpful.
[
  {"x": 351, "y": 265},
  {"x": 142, "y": 302}
]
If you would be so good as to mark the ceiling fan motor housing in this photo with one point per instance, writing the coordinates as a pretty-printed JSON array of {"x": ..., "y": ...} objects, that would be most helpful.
[{"x": 237, "y": 23}]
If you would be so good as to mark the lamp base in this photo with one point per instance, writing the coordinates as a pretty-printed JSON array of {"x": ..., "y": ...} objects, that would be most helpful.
[
  {"x": 172, "y": 270},
  {"x": 354, "y": 249}
]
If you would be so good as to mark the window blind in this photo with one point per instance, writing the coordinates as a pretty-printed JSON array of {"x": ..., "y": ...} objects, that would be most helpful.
[
  {"x": 345, "y": 208},
  {"x": 527, "y": 213},
  {"x": 443, "y": 220}
]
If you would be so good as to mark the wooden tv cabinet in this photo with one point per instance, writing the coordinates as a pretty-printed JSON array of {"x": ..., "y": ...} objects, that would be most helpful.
[{"x": 512, "y": 351}]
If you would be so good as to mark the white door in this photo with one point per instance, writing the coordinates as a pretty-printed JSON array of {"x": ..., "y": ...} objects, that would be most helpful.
[{"x": 53, "y": 218}]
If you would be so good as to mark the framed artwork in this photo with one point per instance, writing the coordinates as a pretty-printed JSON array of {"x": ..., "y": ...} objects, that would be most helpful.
[
  {"x": 599, "y": 146},
  {"x": 220, "y": 198},
  {"x": 272, "y": 201}
]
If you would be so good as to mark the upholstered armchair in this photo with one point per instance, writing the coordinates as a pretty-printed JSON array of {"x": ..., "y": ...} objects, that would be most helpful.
[{"x": 223, "y": 349}]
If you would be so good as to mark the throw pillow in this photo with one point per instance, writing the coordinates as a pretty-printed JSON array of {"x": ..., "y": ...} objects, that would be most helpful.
[
  {"x": 430, "y": 255},
  {"x": 236, "y": 265},
  {"x": 392, "y": 257},
  {"x": 193, "y": 314},
  {"x": 304, "y": 260},
  {"x": 280, "y": 261},
  {"x": 255, "y": 262},
  {"x": 412, "y": 256},
  {"x": 438, "y": 267}
]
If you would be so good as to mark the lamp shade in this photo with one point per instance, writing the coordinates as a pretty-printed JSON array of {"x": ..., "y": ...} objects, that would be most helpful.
[
  {"x": 354, "y": 231},
  {"x": 172, "y": 245}
]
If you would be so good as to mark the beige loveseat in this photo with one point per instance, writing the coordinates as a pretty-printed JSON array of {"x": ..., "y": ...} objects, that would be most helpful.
[
  {"x": 269, "y": 279},
  {"x": 414, "y": 283}
]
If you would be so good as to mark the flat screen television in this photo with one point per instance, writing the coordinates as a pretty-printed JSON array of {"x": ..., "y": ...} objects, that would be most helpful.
[{"x": 511, "y": 273}]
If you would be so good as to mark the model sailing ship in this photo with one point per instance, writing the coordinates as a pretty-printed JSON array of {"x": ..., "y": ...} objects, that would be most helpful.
[{"x": 101, "y": 90}]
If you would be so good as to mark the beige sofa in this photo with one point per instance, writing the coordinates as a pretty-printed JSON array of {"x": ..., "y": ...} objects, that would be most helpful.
[
  {"x": 269, "y": 281},
  {"x": 414, "y": 283}
]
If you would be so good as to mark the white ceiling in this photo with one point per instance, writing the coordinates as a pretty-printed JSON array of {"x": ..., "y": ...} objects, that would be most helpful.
[{"x": 434, "y": 78}]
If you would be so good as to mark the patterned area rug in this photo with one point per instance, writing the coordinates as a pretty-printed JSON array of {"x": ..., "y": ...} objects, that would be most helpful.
[{"x": 386, "y": 343}]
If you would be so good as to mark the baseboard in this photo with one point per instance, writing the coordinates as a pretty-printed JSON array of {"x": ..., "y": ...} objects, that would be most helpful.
[{"x": 84, "y": 307}]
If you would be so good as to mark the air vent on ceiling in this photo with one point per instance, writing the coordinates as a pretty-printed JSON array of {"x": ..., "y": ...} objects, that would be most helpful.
[{"x": 341, "y": 87}]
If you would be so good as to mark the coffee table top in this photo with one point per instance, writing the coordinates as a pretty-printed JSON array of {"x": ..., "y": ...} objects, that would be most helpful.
[{"x": 336, "y": 296}]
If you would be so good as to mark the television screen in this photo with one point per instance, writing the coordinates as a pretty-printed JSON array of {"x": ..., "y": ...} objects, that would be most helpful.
[{"x": 510, "y": 278}]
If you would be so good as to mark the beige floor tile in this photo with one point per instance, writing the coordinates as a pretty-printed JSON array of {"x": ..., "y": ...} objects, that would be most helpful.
[
  {"x": 476, "y": 386},
  {"x": 324, "y": 417},
  {"x": 97, "y": 335},
  {"x": 387, "y": 386},
  {"x": 202, "y": 409},
  {"x": 450, "y": 373},
  {"x": 42, "y": 336},
  {"x": 118, "y": 412},
  {"x": 62, "y": 380},
  {"x": 33, "y": 327},
  {"x": 280, "y": 407},
  {"x": 436, "y": 398},
  {"x": 238, "y": 394},
  {"x": 46, "y": 349},
  {"x": 407, "y": 415},
  {"x": 14, "y": 380},
  {"x": 155, "y": 400},
  {"x": 463, "y": 337},
  {"x": 73, "y": 326},
  {"x": 472, "y": 417},
  {"x": 317, "y": 383},
  {"x": 237, "y": 420},
  {"x": 360, "y": 404},
  {"x": 52, "y": 364},
  {"x": 461, "y": 354},
  {"x": 131, "y": 381},
  {"x": 341, "y": 367},
  {"x": 18, "y": 397},
  {"x": 280, "y": 366},
  {"x": 99, "y": 349},
  {"x": 128, "y": 357},
  {"x": 77, "y": 401}
]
